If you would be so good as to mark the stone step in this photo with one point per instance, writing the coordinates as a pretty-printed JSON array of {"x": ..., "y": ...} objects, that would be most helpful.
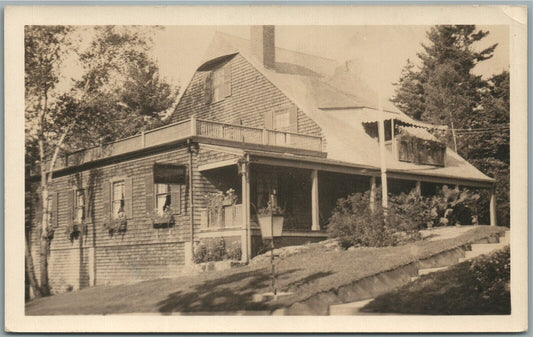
[
  {"x": 505, "y": 239},
  {"x": 425, "y": 271},
  {"x": 486, "y": 247},
  {"x": 348, "y": 308}
]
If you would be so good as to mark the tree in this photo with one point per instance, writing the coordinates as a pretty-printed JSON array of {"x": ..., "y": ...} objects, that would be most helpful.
[
  {"x": 444, "y": 90},
  {"x": 119, "y": 91}
]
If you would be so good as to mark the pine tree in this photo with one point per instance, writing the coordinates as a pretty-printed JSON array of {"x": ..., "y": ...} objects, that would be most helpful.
[{"x": 444, "y": 90}]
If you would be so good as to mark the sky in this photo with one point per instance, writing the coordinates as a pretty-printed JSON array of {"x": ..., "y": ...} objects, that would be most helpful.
[{"x": 380, "y": 52}]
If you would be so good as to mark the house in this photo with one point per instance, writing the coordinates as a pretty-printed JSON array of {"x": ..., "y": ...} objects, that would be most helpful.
[{"x": 254, "y": 119}]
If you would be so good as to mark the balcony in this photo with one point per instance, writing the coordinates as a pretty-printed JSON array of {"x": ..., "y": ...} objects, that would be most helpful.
[{"x": 192, "y": 127}]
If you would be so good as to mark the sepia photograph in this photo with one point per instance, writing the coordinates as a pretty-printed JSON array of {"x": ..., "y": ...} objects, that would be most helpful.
[{"x": 186, "y": 171}]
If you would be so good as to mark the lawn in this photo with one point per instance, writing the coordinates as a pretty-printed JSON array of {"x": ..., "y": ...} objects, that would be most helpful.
[
  {"x": 318, "y": 269},
  {"x": 477, "y": 287}
]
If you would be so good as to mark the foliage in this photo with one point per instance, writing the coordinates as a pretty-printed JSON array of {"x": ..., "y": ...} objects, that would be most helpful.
[
  {"x": 492, "y": 272},
  {"x": 354, "y": 224},
  {"x": 477, "y": 287},
  {"x": 454, "y": 206},
  {"x": 410, "y": 212},
  {"x": 165, "y": 219},
  {"x": 444, "y": 90},
  {"x": 115, "y": 225},
  {"x": 216, "y": 250},
  {"x": 74, "y": 229},
  {"x": 117, "y": 92}
]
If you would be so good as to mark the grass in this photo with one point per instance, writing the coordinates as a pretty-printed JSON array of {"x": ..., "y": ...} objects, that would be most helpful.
[
  {"x": 306, "y": 274},
  {"x": 455, "y": 291}
]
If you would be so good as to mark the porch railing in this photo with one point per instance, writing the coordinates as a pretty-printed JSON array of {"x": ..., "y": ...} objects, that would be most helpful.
[
  {"x": 253, "y": 135},
  {"x": 188, "y": 128}
]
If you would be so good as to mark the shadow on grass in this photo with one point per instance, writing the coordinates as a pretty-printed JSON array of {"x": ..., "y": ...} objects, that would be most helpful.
[
  {"x": 448, "y": 292},
  {"x": 230, "y": 293}
]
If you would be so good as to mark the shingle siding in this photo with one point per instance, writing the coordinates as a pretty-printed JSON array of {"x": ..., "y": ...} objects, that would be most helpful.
[
  {"x": 252, "y": 95},
  {"x": 139, "y": 253}
]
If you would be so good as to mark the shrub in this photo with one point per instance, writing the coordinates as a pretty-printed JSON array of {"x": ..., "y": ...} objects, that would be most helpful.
[
  {"x": 354, "y": 224},
  {"x": 455, "y": 206},
  {"x": 492, "y": 272},
  {"x": 216, "y": 250}
]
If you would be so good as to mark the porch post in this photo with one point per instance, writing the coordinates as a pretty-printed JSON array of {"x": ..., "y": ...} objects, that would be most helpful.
[
  {"x": 314, "y": 201},
  {"x": 245, "y": 197},
  {"x": 372, "y": 194},
  {"x": 418, "y": 188},
  {"x": 493, "y": 221}
]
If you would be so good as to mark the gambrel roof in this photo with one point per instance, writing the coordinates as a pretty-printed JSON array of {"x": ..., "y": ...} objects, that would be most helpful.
[{"x": 340, "y": 104}]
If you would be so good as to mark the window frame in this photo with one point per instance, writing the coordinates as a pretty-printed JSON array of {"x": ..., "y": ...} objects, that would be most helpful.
[
  {"x": 77, "y": 206},
  {"x": 122, "y": 200}
]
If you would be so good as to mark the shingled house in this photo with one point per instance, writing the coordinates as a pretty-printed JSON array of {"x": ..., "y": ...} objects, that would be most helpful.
[{"x": 255, "y": 119}]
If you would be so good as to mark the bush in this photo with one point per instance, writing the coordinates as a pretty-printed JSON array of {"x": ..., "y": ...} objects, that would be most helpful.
[
  {"x": 354, "y": 224},
  {"x": 492, "y": 272},
  {"x": 455, "y": 206},
  {"x": 216, "y": 250}
]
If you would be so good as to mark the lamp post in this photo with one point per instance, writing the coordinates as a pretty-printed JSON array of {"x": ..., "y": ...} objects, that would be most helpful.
[{"x": 271, "y": 227}]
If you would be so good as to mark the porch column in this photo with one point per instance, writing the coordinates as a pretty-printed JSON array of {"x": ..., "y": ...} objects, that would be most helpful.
[
  {"x": 493, "y": 221},
  {"x": 314, "y": 201},
  {"x": 418, "y": 188},
  {"x": 372, "y": 194},
  {"x": 245, "y": 223}
]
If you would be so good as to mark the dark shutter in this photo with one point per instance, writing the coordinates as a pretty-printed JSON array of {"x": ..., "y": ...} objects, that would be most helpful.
[
  {"x": 175, "y": 198},
  {"x": 128, "y": 203},
  {"x": 227, "y": 79},
  {"x": 149, "y": 191},
  {"x": 71, "y": 195},
  {"x": 293, "y": 119},
  {"x": 208, "y": 90},
  {"x": 268, "y": 119},
  {"x": 106, "y": 199},
  {"x": 55, "y": 215}
]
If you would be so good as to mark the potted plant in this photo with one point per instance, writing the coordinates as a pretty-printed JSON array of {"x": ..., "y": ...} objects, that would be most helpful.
[
  {"x": 230, "y": 198},
  {"x": 270, "y": 220},
  {"x": 161, "y": 219},
  {"x": 116, "y": 225}
]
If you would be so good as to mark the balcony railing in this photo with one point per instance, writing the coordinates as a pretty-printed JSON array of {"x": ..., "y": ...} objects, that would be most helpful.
[{"x": 188, "y": 128}]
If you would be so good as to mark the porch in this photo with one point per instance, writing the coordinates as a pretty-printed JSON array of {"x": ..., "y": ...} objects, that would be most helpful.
[{"x": 306, "y": 190}]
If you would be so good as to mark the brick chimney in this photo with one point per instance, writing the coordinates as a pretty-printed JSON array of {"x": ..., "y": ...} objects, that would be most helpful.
[{"x": 263, "y": 39}]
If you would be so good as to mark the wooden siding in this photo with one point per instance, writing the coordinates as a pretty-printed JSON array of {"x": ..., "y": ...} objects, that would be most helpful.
[
  {"x": 252, "y": 96},
  {"x": 141, "y": 252}
]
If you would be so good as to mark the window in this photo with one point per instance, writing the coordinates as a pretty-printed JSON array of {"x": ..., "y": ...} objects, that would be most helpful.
[
  {"x": 118, "y": 200},
  {"x": 219, "y": 84},
  {"x": 163, "y": 198},
  {"x": 50, "y": 211},
  {"x": 281, "y": 120},
  {"x": 163, "y": 188},
  {"x": 79, "y": 206}
]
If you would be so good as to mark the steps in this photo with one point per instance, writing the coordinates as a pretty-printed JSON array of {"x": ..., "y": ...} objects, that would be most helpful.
[
  {"x": 477, "y": 249},
  {"x": 348, "y": 308}
]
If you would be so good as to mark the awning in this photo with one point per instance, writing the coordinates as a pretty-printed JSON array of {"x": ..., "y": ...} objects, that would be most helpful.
[{"x": 367, "y": 117}]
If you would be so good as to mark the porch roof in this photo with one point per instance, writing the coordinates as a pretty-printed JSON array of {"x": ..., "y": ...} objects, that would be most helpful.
[{"x": 332, "y": 165}]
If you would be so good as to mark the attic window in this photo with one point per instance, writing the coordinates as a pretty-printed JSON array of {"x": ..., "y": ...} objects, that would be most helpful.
[{"x": 219, "y": 86}]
